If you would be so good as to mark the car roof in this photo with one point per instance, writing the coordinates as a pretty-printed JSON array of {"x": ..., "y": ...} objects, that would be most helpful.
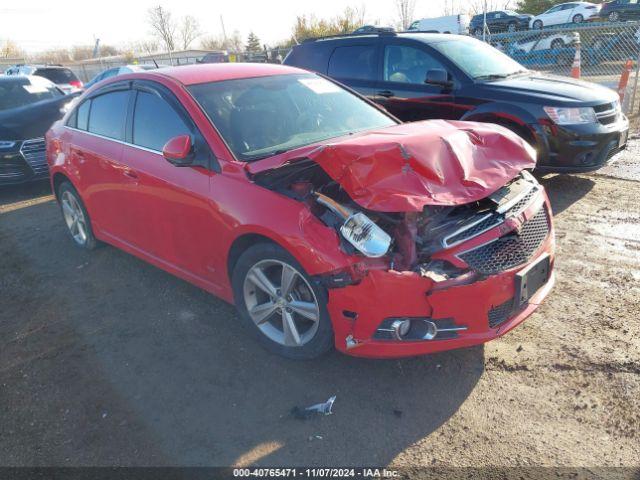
[
  {"x": 216, "y": 72},
  {"x": 23, "y": 79},
  {"x": 417, "y": 35}
]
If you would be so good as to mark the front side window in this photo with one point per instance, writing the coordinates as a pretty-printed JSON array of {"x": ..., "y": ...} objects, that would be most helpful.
[
  {"x": 356, "y": 63},
  {"x": 107, "y": 114},
  {"x": 405, "y": 64},
  {"x": 259, "y": 117},
  {"x": 155, "y": 122},
  {"x": 478, "y": 59}
]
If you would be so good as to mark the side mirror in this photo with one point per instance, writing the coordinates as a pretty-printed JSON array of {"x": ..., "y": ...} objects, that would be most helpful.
[
  {"x": 439, "y": 77},
  {"x": 178, "y": 151}
]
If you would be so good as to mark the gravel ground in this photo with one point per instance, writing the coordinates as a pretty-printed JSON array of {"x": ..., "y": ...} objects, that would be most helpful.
[{"x": 106, "y": 360}]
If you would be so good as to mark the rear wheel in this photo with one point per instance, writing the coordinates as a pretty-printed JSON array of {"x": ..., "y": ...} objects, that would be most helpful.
[
  {"x": 281, "y": 304},
  {"x": 557, "y": 43},
  {"x": 614, "y": 17},
  {"x": 512, "y": 27},
  {"x": 537, "y": 25},
  {"x": 478, "y": 32},
  {"x": 76, "y": 217},
  {"x": 578, "y": 18}
]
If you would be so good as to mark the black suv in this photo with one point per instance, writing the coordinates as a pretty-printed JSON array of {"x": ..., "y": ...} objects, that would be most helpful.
[
  {"x": 575, "y": 126},
  {"x": 499, "y": 21},
  {"x": 28, "y": 107}
]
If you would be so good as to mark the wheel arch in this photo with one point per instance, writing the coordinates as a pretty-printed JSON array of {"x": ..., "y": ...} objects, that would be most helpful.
[
  {"x": 516, "y": 120},
  {"x": 57, "y": 179}
]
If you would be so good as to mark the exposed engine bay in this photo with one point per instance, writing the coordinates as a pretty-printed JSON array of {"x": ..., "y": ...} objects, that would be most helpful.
[{"x": 407, "y": 239}]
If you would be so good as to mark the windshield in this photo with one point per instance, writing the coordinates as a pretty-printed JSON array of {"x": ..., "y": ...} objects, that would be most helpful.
[
  {"x": 57, "y": 75},
  {"x": 20, "y": 92},
  {"x": 478, "y": 59},
  {"x": 260, "y": 117}
]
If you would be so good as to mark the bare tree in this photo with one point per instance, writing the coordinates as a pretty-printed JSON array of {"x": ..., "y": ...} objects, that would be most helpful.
[
  {"x": 189, "y": 31},
  {"x": 406, "y": 9},
  {"x": 476, "y": 7},
  {"x": 163, "y": 26},
  {"x": 10, "y": 49}
]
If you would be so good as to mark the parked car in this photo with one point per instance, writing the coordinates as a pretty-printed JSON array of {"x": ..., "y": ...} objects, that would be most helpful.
[
  {"x": 575, "y": 126},
  {"x": 28, "y": 107},
  {"x": 310, "y": 208},
  {"x": 112, "y": 72},
  {"x": 373, "y": 29},
  {"x": 499, "y": 21},
  {"x": 458, "y": 24},
  {"x": 221, "y": 56},
  {"x": 542, "y": 42},
  {"x": 574, "y": 12},
  {"x": 63, "y": 77},
  {"x": 619, "y": 10}
]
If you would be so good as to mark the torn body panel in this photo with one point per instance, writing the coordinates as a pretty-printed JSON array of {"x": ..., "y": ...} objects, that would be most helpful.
[{"x": 407, "y": 167}]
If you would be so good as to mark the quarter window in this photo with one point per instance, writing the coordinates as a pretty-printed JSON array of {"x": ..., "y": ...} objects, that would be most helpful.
[
  {"x": 357, "y": 63},
  {"x": 83, "y": 115},
  {"x": 108, "y": 113},
  {"x": 155, "y": 122},
  {"x": 405, "y": 64}
]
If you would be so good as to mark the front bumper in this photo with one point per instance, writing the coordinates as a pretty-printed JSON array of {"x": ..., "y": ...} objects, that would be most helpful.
[
  {"x": 25, "y": 162},
  {"x": 579, "y": 148},
  {"x": 358, "y": 311}
]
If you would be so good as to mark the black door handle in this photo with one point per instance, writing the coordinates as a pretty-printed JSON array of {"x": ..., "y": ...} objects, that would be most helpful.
[{"x": 386, "y": 93}]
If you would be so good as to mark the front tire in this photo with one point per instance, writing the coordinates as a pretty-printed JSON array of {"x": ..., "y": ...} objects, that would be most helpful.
[
  {"x": 578, "y": 18},
  {"x": 537, "y": 25},
  {"x": 76, "y": 217},
  {"x": 280, "y": 304},
  {"x": 512, "y": 27},
  {"x": 614, "y": 17}
]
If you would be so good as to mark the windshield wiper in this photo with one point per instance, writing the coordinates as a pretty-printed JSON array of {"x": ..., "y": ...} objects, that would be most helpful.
[{"x": 499, "y": 76}]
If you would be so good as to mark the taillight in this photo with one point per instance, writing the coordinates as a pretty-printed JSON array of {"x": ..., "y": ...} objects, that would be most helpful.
[{"x": 76, "y": 83}]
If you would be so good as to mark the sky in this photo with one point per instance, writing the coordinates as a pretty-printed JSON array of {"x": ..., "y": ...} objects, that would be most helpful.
[{"x": 39, "y": 25}]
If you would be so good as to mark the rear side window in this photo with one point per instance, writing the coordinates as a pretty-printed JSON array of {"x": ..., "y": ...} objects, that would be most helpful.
[
  {"x": 56, "y": 75},
  {"x": 357, "y": 62},
  {"x": 108, "y": 113},
  {"x": 155, "y": 122}
]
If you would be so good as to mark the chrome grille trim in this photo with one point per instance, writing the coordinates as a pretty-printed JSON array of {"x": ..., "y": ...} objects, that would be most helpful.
[{"x": 34, "y": 153}]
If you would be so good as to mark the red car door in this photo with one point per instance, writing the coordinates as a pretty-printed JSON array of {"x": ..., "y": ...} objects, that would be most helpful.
[
  {"x": 96, "y": 149},
  {"x": 174, "y": 212}
]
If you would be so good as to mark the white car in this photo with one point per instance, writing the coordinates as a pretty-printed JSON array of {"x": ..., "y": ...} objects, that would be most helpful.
[
  {"x": 573, "y": 12},
  {"x": 63, "y": 77},
  {"x": 537, "y": 42},
  {"x": 458, "y": 24}
]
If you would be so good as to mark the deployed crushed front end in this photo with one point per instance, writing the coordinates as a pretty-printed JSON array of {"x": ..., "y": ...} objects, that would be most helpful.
[
  {"x": 449, "y": 238},
  {"x": 488, "y": 267}
]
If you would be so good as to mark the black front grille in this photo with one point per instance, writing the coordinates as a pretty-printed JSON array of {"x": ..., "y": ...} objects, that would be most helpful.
[
  {"x": 607, "y": 113},
  {"x": 524, "y": 202},
  {"x": 500, "y": 314},
  {"x": 511, "y": 250},
  {"x": 33, "y": 152}
]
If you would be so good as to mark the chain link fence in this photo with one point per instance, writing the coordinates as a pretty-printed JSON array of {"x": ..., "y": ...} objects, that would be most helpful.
[{"x": 606, "y": 51}]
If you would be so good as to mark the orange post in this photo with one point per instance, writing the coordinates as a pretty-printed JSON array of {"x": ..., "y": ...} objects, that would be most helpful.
[
  {"x": 624, "y": 79},
  {"x": 575, "y": 68}
]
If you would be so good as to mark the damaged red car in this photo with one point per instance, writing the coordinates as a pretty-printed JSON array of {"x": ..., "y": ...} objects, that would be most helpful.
[{"x": 323, "y": 218}]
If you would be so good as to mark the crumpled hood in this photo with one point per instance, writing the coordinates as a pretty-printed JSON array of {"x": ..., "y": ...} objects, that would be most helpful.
[{"x": 406, "y": 167}]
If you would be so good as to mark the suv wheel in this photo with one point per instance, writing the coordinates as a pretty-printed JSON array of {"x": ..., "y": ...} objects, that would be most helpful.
[
  {"x": 76, "y": 217},
  {"x": 512, "y": 27},
  {"x": 281, "y": 304}
]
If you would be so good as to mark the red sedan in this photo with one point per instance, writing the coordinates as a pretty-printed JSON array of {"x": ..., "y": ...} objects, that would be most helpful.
[{"x": 323, "y": 218}]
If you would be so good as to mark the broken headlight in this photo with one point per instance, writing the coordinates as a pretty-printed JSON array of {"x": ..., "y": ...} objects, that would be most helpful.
[{"x": 366, "y": 236}]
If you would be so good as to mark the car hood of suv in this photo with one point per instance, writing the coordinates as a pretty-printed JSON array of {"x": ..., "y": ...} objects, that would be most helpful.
[
  {"x": 33, "y": 120},
  {"x": 550, "y": 89},
  {"x": 406, "y": 167}
]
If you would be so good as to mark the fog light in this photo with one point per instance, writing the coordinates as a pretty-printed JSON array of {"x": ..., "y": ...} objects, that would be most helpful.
[
  {"x": 431, "y": 330},
  {"x": 401, "y": 328}
]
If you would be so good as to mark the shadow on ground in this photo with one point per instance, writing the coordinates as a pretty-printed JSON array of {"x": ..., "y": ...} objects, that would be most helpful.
[
  {"x": 107, "y": 360},
  {"x": 565, "y": 190},
  {"x": 27, "y": 191}
]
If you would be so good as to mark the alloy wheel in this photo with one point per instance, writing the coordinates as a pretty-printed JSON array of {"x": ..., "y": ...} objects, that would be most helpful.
[
  {"x": 281, "y": 303},
  {"x": 614, "y": 17},
  {"x": 578, "y": 18},
  {"x": 74, "y": 217}
]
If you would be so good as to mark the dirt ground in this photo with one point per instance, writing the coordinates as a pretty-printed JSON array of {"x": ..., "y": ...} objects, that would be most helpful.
[{"x": 106, "y": 360}]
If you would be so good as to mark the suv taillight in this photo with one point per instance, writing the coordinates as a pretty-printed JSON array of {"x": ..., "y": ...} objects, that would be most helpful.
[{"x": 76, "y": 83}]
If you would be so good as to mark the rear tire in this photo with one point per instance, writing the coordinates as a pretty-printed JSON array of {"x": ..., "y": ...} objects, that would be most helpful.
[
  {"x": 280, "y": 304},
  {"x": 76, "y": 217},
  {"x": 614, "y": 17},
  {"x": 478, "y": 32},
  {"x": 578, "y": 18}
]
